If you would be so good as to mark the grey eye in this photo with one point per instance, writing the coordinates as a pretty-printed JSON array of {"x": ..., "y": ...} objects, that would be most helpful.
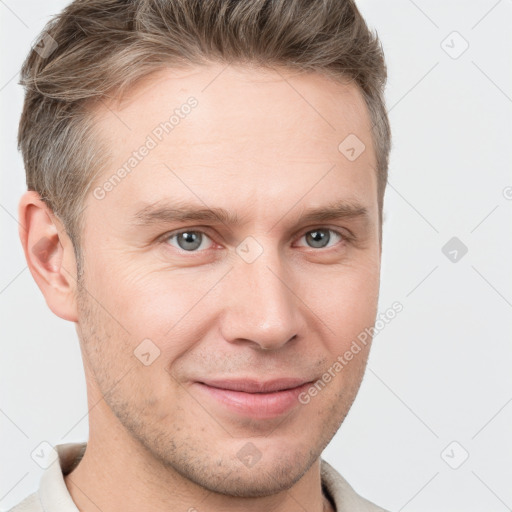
[
  {"x": 320, "y": 238},
  {"x": 189, "y": 240}
]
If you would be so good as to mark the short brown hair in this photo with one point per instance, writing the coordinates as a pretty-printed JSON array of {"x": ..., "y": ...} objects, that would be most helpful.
[{"x": 95, "y": 48}]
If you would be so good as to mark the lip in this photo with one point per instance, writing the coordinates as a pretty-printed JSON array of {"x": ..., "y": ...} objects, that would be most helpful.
[{"x": 255, "y": 399}]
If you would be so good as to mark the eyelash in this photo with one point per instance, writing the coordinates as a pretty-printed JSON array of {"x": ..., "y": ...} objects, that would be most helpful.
[{"x": 347, "y": 238}]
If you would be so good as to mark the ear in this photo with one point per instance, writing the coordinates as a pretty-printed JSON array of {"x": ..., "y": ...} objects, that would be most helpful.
[{"x": 49, "y": 254}]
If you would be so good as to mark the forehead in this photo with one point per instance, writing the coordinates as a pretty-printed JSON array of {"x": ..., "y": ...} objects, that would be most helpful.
[{"x": 217, "y": 130}]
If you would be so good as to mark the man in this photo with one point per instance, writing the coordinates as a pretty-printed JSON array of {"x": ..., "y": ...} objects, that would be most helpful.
[{"x": 206, "y": 182}]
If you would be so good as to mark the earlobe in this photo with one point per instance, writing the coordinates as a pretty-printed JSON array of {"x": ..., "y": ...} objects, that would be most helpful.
[{"x": 49, "y": 254}]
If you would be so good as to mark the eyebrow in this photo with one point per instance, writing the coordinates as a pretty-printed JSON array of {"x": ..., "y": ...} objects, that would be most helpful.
[{"x": 161, "y": 213}]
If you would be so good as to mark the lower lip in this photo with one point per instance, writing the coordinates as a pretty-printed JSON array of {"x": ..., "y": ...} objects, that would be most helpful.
[{"x": 256, "y": 405}]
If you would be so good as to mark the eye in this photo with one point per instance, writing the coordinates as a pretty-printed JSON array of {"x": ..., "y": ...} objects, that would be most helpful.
[
  {"x": 188, "y": 240},
  {"x": 320, "y": 238}
]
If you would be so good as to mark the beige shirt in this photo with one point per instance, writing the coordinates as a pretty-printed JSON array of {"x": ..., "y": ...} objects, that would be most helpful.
[{"x": 53, "y": 495}]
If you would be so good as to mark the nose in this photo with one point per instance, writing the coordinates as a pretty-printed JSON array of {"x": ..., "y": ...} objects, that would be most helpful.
[{"x": 261, "y": 308}]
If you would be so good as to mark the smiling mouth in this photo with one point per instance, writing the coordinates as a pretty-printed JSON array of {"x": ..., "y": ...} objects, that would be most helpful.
[{"x": 256, "y": 399}]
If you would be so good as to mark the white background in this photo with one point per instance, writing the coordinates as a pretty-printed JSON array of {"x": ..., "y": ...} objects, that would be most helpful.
[{"x": 441, "y": 370}]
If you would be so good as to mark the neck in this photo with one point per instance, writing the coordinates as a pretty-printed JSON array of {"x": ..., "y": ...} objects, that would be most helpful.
[{"x": 117, "y": 473}]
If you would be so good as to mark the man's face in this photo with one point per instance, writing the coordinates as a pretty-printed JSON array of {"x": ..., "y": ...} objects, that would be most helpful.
[{"x": 168, "y": 322}]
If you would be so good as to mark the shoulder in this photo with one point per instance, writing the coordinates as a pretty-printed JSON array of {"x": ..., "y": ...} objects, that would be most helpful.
[
  {"x": 30, "y": 504},
  {"x": 343, "y": 495},
  {"x": 52, "y": 493}
]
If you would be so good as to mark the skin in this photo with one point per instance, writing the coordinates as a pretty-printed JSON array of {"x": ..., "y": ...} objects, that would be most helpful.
[{"x": 260, "y": 144}]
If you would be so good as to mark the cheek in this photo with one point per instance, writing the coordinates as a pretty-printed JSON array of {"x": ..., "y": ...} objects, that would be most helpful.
[
  {"x": 169, "y": 307},
  {"x": 141, "y": 297},
  {"x": 345, "y": 299},
  {"x": 127, "y": 366}
]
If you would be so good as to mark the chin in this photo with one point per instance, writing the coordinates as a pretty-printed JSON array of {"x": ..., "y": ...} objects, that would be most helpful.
[{"x": 265, "y": 478}]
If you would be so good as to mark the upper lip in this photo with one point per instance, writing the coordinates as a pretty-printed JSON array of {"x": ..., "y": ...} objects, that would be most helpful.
[{"x": 255, "y": 386}]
